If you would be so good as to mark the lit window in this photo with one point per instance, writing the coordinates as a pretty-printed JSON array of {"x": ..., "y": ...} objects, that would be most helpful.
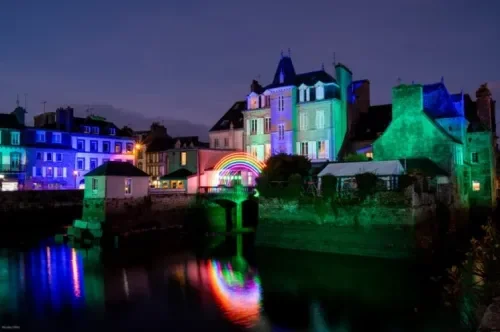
[
  {"x": 128, "y": 186},
  {"x": 369, "y": 155},
  {"x": 183, "y": 158},
  {"x": 15, "y": 138},
  {"x": 304, "y": 149},
  {"x": 476, "y": 186},
  {"x": 56, "y": 138},
  {"x": 40, "y": 136}
]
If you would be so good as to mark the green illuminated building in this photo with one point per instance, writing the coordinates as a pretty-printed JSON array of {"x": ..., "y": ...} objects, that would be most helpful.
[{"x": 429, "y": 122}]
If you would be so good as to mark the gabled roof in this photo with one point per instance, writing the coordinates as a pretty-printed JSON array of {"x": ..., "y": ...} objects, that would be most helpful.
[
  {"x": 233, "y": 115},
  {"x": 116, "y": 168},
  {"x": 438, "y": 103},
  {"x": 9, "y": 121},
  {"x": 181, "y": 173},
  {"x": 290, "y": 77}
]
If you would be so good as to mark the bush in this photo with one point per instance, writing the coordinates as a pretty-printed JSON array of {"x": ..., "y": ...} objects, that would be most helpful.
[
  {"x": 328, "y": 186},
  {"x": 367, "y": 184},
  {"x": 294, "y": 186}
]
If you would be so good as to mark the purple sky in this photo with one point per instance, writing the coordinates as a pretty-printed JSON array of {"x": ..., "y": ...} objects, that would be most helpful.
[{"x": 192, "y": 59}]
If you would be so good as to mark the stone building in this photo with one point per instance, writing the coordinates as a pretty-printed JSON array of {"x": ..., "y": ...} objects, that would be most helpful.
[{"x": 429, "y": 122}]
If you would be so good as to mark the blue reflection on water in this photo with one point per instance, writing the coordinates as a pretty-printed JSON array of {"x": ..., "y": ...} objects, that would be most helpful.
[{"x": 48, "y": 279}]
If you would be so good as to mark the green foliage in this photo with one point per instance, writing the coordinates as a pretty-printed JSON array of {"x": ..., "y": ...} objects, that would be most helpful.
[
  {"x": 367, "y": 184},
  {"x": 328, "y": 186},
  {"x": 355, "y": 157},
  {"x": 294, "y": 186},
  {"x": 477, "y": 279},
  {"x": 280, "y": 167}
]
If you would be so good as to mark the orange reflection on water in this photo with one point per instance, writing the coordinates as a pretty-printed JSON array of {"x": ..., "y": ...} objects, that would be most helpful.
[
  {"x": 74, "y": 272},
  {"x": 243, "y": 310}
]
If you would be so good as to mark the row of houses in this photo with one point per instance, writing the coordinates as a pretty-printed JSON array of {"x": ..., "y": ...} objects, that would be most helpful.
[{"x": 58, "y": 150}]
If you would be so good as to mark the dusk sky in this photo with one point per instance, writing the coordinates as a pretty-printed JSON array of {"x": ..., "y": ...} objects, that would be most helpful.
[{"x": 192, "y": 59}]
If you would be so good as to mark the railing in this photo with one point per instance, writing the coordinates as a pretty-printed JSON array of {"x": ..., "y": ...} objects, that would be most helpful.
[
  {"x": 221, "y": 189},
  {"x": 12, "y": 168}
]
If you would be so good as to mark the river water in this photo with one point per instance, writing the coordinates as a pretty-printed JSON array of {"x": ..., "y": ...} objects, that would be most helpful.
[{"x": 224, "y": 285}]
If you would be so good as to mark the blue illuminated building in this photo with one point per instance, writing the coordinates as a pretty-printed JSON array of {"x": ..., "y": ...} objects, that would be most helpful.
[{"x": 50, "y": 159}]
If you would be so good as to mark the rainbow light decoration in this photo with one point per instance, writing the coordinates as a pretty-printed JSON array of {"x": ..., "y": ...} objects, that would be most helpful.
[
  {"x": 239, "y": 161},
  {"x": 238, "y": 296}
]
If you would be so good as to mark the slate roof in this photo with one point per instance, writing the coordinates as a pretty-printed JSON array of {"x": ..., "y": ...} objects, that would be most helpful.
[
  {"x": 234, "y": 115},
  {"x": 116, "y": 168},
  {"x": 9, "y": 121},
  {"x": 423, "y": 164},
  {"x": 103, "y": 126},
  {"x": 160, "y": 144},
  {"x": 285, "y": 66},
  {"x": 181, "y": 173}
]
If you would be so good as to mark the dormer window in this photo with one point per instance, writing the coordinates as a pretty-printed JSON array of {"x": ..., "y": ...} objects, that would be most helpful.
[
  {"x": 308, "y": 94},
  {"x": 112, "y": 131},
  {"x": 320, "y": 91},
  {"x": 95, "y": 130},
  {"x": 263, "y": 101},
  {"x": 302, "y": 93},
  {"x": 86, "y": 129}
]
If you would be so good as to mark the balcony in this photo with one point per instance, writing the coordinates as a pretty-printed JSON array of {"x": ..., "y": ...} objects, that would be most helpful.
[{"x": 12, "y": 168}]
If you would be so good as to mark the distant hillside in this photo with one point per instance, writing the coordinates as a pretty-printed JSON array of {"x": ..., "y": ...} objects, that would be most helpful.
[{"x": 137, "y": 121}]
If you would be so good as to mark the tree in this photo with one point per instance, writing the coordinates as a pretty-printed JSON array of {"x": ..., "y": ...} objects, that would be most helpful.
[
  {"x": 281, "y": 166},
  {"x": 328, "y": 186},
  {"x": 355, "y": 157},
  {"x": 367, "y": 183}
]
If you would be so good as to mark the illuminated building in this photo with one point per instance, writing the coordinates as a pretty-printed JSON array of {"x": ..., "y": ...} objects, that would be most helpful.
[
  {"x": 227, "y": 133},
  {"x": 429, "y": 122},
  {"x": 50, "y": 159},
  {"x": 305, "y": 114},
  {"x": 95, "y": 140},
  {"x": 12, "y": 152}
]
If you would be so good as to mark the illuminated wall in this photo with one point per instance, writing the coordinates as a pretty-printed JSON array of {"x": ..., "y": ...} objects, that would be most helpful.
[
  {"x": 482, "y": 168},
  {"x": 412, "y": 133}
]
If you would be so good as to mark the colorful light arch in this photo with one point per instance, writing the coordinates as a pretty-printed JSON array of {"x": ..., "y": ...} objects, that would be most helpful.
[
  {"x": 239, "y": 161},
  {"x": 238, "y": 295}
]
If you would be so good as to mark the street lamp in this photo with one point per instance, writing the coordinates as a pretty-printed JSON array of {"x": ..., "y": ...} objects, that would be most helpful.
[{"x": 75, "y": 174}]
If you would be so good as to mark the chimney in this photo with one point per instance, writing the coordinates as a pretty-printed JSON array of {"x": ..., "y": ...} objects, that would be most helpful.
[
  {"x": 407, "y": 99},
  {"x": 20, "y": 112},
  {"x": 255, "y": 87},
  {"x": 64, "y": 118},
  {"x": 484, "y": 106}
]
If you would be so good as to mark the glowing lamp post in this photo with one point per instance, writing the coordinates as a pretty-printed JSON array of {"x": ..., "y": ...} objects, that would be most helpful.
[{"x": 75, "y": 174}]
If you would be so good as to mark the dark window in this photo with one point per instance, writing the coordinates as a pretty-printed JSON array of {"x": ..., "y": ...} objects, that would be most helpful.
[
  {"x": 93, "y": 163},
  {"x": 105, "y": 146},
  {"x": 80, "y": 163},
  {"x": 80, "y": 145},
  {"x": 105, "y": 161},
  {"x": 93, "y": 146},
  {"x": 130, "y": 147},
  {"x": 48, "y": 156},
  {"x": 38, "y": 156},
  {"x": 58, "y": 156},
  {"x": 38, "y": 171},
  {"x": 475, "y": 157}
]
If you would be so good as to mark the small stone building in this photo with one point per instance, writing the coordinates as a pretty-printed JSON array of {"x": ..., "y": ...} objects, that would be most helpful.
[{"x": 116, "y": 180}]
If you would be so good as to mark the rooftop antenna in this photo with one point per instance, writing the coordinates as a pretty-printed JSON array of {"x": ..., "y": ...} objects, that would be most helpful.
[
  {"x": 44, "y": 103},
  {"x": 282, "y": 54},
  {"x": 323, "y": 66},
  {"x": 17, "y": 100},
  {"x": 25, "y": 101},
  {"x": 399, "y": 80}
]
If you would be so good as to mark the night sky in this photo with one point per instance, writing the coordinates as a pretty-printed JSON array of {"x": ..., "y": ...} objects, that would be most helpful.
[{"x": 191, "y": 59}]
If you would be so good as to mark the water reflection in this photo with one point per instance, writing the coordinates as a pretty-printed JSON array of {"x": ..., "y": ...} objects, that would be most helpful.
[{"x": 294, "y": 291}]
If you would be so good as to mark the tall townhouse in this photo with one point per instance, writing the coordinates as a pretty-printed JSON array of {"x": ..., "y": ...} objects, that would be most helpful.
[{"x": 305, "y": 114}]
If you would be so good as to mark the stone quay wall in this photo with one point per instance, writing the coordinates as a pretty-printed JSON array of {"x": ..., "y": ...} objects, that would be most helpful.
[
  {"x": 385, "y": 225},
  {"x": 12, "y": 201}
]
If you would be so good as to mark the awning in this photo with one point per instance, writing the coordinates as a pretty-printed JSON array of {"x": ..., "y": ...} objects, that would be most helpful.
[{"x": 390, "y": 167}]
